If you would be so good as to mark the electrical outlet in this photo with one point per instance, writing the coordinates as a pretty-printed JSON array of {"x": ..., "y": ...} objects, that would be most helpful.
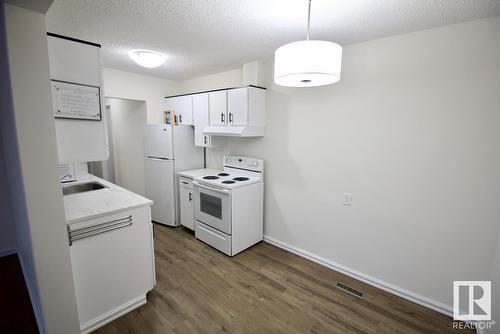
[{"x": 347, "y": 199}]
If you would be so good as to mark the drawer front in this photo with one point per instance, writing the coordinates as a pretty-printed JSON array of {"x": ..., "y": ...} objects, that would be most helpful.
[
  {"x": 185, "y": 182},
  {"x": 213, "y": 237}
]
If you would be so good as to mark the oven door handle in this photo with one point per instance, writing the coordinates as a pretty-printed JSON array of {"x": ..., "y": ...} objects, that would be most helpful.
[{"x": 203, "y": 186}]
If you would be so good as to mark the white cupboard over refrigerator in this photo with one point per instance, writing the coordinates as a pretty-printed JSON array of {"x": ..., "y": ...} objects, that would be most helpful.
[
  {"x": 168, "y": 150},
  {"x": 75, "y": 73},
  {"x": 182, "y": 107}
]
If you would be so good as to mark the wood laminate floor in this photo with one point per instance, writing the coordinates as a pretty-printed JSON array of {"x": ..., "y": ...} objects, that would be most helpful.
[{"x": 262, "y": 290}]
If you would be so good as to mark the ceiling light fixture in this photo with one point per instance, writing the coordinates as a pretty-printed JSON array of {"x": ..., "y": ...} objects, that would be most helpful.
[
  {"x": 147, "y": 58},
  {"x": 307, "y": 63}
]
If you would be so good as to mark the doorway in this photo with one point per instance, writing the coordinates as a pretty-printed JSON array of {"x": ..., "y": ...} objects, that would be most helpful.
[{"x": 125, "y": 125}]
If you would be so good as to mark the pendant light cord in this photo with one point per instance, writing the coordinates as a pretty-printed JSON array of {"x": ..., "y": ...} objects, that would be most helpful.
[{"x": 308, "y": 20}]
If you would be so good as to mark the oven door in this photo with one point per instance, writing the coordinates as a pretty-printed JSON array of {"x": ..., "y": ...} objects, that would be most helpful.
[{"x": 212, "y": 206}]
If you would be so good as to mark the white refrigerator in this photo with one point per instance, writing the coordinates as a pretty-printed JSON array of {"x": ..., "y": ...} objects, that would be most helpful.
[{"x": 168, "y": 150}]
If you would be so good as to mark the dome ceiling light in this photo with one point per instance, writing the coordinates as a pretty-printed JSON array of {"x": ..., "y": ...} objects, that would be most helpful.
[{"x": 147, "y": 58}]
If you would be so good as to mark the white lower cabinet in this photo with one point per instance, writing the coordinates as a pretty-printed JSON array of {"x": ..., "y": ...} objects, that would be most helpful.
[
  {"x": 112, "y": 258},
  {"x": 186, "y": 202}
]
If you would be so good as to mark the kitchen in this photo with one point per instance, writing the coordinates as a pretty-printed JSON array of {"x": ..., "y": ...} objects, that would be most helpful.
[{"x": 362, "y": 195}]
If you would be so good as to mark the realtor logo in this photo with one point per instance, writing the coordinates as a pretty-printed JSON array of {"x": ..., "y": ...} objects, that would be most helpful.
[{"x": 472, "y": 300}]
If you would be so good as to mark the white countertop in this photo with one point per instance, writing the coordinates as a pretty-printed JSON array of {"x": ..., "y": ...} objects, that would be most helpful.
[
  {"x": 198, "y": 172},
  {"x": 96, "y": 203}
]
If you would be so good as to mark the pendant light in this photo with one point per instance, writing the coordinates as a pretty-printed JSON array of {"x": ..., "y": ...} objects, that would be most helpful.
[{"x": 307, "y": 63}]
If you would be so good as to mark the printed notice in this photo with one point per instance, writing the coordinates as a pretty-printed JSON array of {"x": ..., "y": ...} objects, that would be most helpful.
[{"x": 76, "y": 101}]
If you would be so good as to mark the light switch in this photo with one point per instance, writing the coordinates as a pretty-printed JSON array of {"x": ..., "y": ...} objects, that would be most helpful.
[{"x": 347, "y": 199}]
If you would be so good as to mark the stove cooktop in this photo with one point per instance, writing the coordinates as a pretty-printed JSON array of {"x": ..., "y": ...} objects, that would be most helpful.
[{"x": 228, "y": 180}]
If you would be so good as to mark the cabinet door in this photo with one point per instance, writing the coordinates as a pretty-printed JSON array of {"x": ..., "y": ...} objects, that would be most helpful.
[
  {"x": 171, "y": 105},
  {"x": 218, "y": 107},
  {"x": 187, "y": 209},
  {"x": 74, "y": 62},
  {"x": 185, "y": 110},
  {"x": 237, "y": 106},
  {"x": 200, "y": 119},
  {"x": 113, "y": 267}
]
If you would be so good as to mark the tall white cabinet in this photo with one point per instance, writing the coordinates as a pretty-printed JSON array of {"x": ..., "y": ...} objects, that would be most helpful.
[
  {"x": 75, "y": 73},
  {"x": 201, "y": 119},
  {"x": 186, "y": 202}
]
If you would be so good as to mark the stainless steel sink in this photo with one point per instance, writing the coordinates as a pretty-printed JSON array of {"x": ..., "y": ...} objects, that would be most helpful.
[{"x": 82, "y": 187}]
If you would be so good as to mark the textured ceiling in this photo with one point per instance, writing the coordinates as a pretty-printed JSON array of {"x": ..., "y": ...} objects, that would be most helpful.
[{"x": 206, "y": 36}]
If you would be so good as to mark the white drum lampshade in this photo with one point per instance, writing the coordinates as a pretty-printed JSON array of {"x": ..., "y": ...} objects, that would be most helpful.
[{"x": 307, "y": 63}]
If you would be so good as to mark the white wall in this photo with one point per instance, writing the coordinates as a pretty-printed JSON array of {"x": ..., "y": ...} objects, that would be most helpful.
[
  {"x": 495, "y": 290},
  {"x": 7, "y": 232},
  {"x": 28, "y": 136},
  {"x": 412, "y": 130},
  {"x": 132, "y": 86},
  {"x": 127, "y": 125},
  {"x": 231, "y": 78}
]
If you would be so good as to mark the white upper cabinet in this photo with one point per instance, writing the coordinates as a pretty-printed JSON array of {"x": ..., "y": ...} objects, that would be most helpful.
[
  {"x": 76, "y": 62},
  {"x": 185, "y": 111},
  {"x": 171, "y": 104},
  {"x": 237, "y": 106},
  {"x": 75, "y": 70},
  {"x": 237, "y": 112},
  {"x": 234, "y": 112},
  {"x": 182, "y": 107},
  {"x": 218, "y": 107},
  {"x": 201, "y": 119}
]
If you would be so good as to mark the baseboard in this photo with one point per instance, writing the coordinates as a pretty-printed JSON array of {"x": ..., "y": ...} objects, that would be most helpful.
[
  {"x": 388, "y": 287},
  {"x": 102, "y": 320},
  {"x": 7, "y": 251}
]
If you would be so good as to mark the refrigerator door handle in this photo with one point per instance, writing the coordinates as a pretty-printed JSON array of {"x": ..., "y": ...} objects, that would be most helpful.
[{"x": 159, "y": 159}]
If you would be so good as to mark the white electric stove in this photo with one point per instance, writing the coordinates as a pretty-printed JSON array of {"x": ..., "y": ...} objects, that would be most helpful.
[{"x": 229, "y": 205}]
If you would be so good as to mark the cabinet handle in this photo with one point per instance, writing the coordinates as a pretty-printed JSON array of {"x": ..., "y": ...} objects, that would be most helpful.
[
  {"x": 180, "y": 118},
  {"x": 175, "y": 119},
  {"x": 184, "y": 182},
  {"x": 190, "y": 197},
  {"x": 90, "y": 231},
  {"x": 222, "y": 117},
  {"x": 206, "y": 139},
  {"x": 230, "y": 117}
]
